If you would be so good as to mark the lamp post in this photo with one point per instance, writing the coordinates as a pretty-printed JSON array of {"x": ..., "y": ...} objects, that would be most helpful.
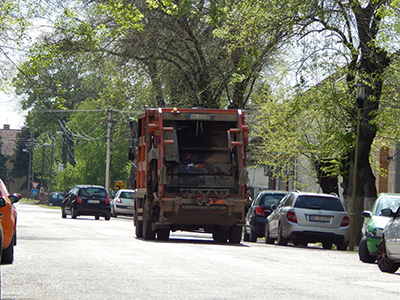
[
  {"x": 41, "y": 175},
  {"x": 29, "y": 171},
  {"x": 360, "y": 101}
]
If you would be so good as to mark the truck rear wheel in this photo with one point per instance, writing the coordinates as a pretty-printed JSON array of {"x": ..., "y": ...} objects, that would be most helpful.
[
  {"x": 220, "y": 235},
  {"x": 148, "y": 232},
  {"x": 163, "y": 234},
  {"x": 235, "y": 234},
  {"x": 139, "y": 230}
]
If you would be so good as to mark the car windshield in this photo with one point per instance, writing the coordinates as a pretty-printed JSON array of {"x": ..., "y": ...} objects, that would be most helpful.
[
  {"x": 127, "y": 195},
  {"x": 392, "y": 202},
  {"x": 268, "y": 199},
  {"x": 315, "y": 202},
  {"x": 93, "y": 192}
]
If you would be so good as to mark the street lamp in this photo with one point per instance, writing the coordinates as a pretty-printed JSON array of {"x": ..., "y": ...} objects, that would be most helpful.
[
  {"x": 43, "y": 153},
  {"x": 360, "y": 101},
  {"x": 29, "y": 170}
]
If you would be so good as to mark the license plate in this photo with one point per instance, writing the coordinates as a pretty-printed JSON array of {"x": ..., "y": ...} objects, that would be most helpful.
[
  {"x": 201, "y": 116},
  {"x": 325, "y": 219},
  {"x": 93, "y": 201}
]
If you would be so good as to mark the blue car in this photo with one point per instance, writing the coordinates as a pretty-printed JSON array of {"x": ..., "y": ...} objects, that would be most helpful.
[
  {"x": 55, "y": 199},
  {"x": 258, "y": 212}
]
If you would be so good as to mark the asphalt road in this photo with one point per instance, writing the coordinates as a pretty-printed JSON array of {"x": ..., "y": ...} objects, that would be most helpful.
[{"x": 86, "y": 259}]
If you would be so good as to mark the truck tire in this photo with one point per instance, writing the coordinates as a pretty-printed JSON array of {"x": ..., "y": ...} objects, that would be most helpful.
[
  {"x": 148, "y": 232},
  {"x": 235, "y": 234},
  {"x": 163, "y": 234},
  {"x": 220, "y": 235},
  {"x": 139, "y": 230}
]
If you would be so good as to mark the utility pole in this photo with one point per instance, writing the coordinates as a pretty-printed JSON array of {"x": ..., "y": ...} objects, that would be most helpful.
[{"x": 109, "y": 125}]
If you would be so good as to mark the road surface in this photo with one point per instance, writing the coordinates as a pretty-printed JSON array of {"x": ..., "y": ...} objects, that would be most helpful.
[{"x": 87, "y": 259}]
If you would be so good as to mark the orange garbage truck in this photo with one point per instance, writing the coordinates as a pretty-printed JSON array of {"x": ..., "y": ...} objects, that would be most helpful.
[{"x": 191, "y": 172}]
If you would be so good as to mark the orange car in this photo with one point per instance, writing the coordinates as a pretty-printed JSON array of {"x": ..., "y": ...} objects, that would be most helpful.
[{"x": 8, "y": 222}]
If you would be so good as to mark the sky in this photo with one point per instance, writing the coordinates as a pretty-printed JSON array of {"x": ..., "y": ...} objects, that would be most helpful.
[{"x": 10, "y": 113}]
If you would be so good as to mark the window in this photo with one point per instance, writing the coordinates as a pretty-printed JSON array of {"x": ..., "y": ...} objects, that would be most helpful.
[
  {"x": 268, "y": 199},
  {"x": 315, "y": 202}
]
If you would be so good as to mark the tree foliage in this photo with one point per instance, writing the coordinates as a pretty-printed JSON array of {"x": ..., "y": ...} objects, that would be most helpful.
[{"x": 194, "y": 53}]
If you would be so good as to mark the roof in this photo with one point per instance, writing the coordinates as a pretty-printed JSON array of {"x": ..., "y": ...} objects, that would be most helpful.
[{"x": 9, "y": 139}]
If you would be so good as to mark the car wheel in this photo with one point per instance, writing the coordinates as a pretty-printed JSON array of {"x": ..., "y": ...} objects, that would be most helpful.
[
  {"x": 252, "y": 236},
  {"x": 246, "y": 236},
  {"x": 385, "y": 264},
  {"x": 8, "y": 254},
  {"x": 281, "y": 240},
  {"x": 63, "y": 214},
  {"x": 327, "y": 245},
  {"x": 113, "y": 214},
  {"x": 73, "y": 213},
  {"x": 163, "y": 234},
  {"x": 268, "y": 240},
  {"x": 363, "y": 252},
  {"x": 97, "y": 217},
  {"x": 342, "y": 246},
  {"x": 235, "y": 234},
  {"x": 107, "y": 217}
]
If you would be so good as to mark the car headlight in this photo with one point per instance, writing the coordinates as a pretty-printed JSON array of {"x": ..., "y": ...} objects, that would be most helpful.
[{"x": 377, "y": 232}]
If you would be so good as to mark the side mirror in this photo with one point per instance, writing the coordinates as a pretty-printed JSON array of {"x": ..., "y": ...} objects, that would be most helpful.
[
  {"x": 366, "y": 214},
  {"x": 14, "y": 198},
  {"x": 387, "y": 212},
  {"x": 2, "y": 202},
  {"x": 273, "y": 206}
]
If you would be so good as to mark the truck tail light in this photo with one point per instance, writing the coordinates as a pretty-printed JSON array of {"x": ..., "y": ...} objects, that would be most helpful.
[
  {"x": 291, "y": 216},
  {"x": 78, "y": 199},
  {"x": 260, "y": 211},
  {"x": 345, "y": 221},
  {"x": 107, "y": 202}
]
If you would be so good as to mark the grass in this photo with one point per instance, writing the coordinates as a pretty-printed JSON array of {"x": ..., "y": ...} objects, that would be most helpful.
[{"x": 37, "y": 202}]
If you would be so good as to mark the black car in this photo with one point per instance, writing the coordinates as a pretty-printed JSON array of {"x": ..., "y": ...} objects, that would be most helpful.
[
  {"x": 258, "y": 212},
  {"x": 55, "y": 198},
  {"x": 89, "y": 200}
]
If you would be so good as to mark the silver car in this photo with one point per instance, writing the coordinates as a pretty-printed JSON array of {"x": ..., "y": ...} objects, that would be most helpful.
[
  {"x": 388, "y": 255},
  {"x": 304, "y": 218},
  {"x": 122, "y": 204}
]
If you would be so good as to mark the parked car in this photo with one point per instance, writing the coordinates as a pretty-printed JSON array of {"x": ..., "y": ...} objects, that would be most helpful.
[
  {"x": 388, "y": 254},
  {"x": 55, "y": 198},
  {"x": 89, "y": 200},
  {"x": 8, "y": 223},
  {"x": 304, "y": 218},
  {"x": 122, "y": 204},
  {"x": 374, "y": 224},
  {"x": 258, "y": 211}
]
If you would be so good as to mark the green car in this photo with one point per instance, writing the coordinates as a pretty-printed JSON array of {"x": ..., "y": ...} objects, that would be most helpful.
[{"x": 374, "y": 224}]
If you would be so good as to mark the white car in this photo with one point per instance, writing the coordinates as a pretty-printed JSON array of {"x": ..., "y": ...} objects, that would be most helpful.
[
  {"x": 304, "y": 218},
  {"x": 388, "y": 255},
  {"x": 122, "y": 204}
]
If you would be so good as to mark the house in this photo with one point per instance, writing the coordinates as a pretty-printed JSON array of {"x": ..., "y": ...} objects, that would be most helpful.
[{"x": 9, "y": 140}]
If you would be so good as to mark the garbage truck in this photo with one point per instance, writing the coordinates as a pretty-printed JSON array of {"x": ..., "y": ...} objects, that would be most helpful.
[{"x": 190, "y": 172}]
